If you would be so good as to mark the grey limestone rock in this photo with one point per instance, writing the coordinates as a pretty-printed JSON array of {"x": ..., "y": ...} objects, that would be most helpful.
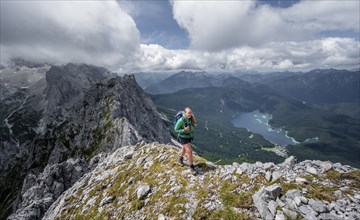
[
  {"x": 262, "y": 198},
  {"x": 318, "y": 206},
  {"x": 39, "y": 192},
  {"x": 142, "y": 191}
]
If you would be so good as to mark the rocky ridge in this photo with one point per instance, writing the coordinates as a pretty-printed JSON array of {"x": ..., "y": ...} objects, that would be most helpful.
[
  {"x": 76, "y": 111},
  {"x": 145, "y": 181}
]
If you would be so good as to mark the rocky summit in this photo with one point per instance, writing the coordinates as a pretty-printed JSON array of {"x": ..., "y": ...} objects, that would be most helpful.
[{"x": 145, "y": 181}]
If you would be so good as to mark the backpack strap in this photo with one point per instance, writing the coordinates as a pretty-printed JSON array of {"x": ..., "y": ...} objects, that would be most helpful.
[{"x": 183, "y": 119}]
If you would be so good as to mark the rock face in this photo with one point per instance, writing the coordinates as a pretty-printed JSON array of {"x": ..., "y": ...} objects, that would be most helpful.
[
  {"x": 42, "y": 107},
  {"x": 75, "y": 111},
  {"x": 39, "y": 192},
  {"x": 145, "y": 181},
  {"x": 262, "y": 200},
  {"x": 20, "y": 75}
]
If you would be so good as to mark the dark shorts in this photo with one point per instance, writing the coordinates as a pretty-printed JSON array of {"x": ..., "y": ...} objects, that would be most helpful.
[{"x": 184, "y": 140}]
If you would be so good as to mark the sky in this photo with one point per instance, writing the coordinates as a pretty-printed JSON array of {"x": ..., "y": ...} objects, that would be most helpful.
[{"x": 163, "y": 35}]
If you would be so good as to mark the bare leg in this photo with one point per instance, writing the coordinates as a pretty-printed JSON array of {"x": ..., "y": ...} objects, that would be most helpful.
[
  {"x": 182, "y": 151},
  {"x": 189, "y": 153}
]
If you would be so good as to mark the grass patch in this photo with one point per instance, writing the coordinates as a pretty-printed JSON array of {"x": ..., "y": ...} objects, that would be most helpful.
[
  {"x": 235, "y": 199},
  {"x": 228, "y": 214},
  {"x": 309, "y": 177},
  {"x": 338, "y": 177},
  {"x": 243, "y": 178},
  {"x": 319, "y": 192},
  {"x": 289, "y": 186},
  {"x": 175, "y": 203},
  {"x": 268, "y": 148}
]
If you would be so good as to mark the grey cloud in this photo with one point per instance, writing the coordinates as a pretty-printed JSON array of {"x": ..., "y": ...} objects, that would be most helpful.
[
  {"x": 218, "y": 25},
  {"x": 97, "y": 32},
  {"x": 324, "y": 15}
]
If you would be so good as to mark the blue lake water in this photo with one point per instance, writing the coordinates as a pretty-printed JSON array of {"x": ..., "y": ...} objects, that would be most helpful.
[{"x": 257, "y": 122}]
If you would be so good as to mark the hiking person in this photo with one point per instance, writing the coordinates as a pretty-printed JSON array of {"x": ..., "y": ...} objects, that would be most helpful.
[{"x": 185, "y": 127}]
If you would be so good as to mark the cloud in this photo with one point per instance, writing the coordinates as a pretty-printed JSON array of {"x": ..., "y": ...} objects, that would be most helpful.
[
  {"x": 233, "y": 35},
  {"x": 324, "y": 15},
  {"x": 214, "y": 25},
  {"x": 290, "y": 55},
  {"x": 96, "y": 32},
  {"x": 217, "y": 25},
  {"x": 154, "y": 56}
]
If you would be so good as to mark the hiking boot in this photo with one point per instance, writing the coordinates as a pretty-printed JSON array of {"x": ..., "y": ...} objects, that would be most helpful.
[
  {"x": 181, "y": 161},
  {"x": 192, "y": 168}
]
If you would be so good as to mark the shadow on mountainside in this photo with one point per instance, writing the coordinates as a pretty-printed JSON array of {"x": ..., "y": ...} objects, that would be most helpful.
[{"x": 201, "y": 167}]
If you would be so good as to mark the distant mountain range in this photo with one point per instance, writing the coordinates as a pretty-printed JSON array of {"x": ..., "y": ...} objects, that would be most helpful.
[
  {"x": 328, "y": 89},
  {"x": 180, "y": 81},
  {"x": 184, "y": 79},
  {"x": 145, "y": 79},
  {"x": 316, "y": 86}
]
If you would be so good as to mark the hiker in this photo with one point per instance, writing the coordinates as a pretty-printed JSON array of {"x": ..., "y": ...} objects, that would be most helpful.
[{"x": 185, "y": 127}]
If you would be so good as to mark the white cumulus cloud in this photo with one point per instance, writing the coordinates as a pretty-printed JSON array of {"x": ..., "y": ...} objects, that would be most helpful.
[
  {"x": 289, "y": 55},
  {"x": 324, "y": 15},
  {"x": 217, "y": 25},
  {"x": 96, "y": 32}
]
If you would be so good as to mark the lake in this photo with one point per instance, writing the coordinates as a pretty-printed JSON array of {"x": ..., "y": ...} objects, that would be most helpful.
[{"x": 258, "y": 122}]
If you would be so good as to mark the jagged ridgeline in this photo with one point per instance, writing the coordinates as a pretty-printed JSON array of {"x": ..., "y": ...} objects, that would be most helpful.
[{"x": 72, "y": 111}]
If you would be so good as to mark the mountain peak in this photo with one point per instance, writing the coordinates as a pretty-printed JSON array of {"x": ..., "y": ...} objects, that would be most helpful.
[
  {"x": 77, "y": 113},
  {"x": 192, "y": 72},
  {"x": 181, "y": 80},
  {"x": 19, "y": 62}
]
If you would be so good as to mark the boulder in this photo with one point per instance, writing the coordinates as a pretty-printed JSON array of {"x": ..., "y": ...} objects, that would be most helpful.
[
  {"x": 290, "y": 162},
  {"x": 291, "y": 214},
  {"x": 268, "y": 166},
  {"x": 264, "y": 200},
  {"x": 272, "y": 207},
  {"x": 291, "y": 194},
  {"x": 311, "y": 170},
  {"x": 318, "y": 206},
  {"x": 273, "y": 191},
  {"x": 325, "y": 166},
  {"x": 280, "y": 216},
  {"x": 261, "y": 204},
  {"x": 301, "y": 180},
  {"x": 276, "y": 175},
  {"x": 142, "y": 191}
]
